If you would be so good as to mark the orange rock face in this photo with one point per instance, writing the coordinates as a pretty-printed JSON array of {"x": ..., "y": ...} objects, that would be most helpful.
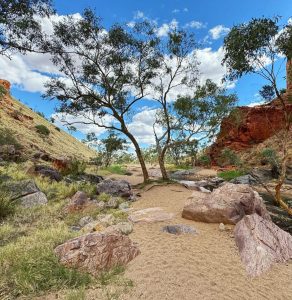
[
  {"x": 249, "y": 126},
  {"x": 6, "y": 84}
]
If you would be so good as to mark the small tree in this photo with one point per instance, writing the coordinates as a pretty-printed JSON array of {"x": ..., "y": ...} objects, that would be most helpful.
[
  {"x": 112, "y": 144},
  {"x": 254, "y": 48}
]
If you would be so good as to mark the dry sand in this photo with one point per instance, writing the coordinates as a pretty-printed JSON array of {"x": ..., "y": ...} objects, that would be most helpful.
[{"x": 186, "y": 267}]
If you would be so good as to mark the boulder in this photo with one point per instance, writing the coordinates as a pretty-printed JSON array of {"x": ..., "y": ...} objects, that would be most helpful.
[
  {"x": 245, "y": 179},
  {"x": 97, "y": 252},
  {"x": 119, "y": 188},
  {"x": 78, "y": 202},
  {"x": 93, "y": 226},
  {"x": 18, "y": 189},
  {"x": 179, "y": 229},
  {"x": 182, "y": 174},
  {"x": 261, "y": 244},
  {"x": 34, "y": 199},
  {"x": 150, "y": 215},
  {"x": 46, "y": 171},
  {"x": 227, "y": 204}
]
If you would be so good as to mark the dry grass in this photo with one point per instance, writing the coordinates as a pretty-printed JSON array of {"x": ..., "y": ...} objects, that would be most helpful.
[{"x": 58, "y": 143}]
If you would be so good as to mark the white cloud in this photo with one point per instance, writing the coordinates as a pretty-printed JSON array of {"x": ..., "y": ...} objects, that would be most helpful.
[
  {"x": 139, "y": 15},
  {"x": 185, "y": 9},
  {"x": 195, "y": 24},
  {"x": 164, "y": 29},
  {"x": 252, "y": 104},
  {"x": 142, "y": 126},
  {"x": 131, "y": 24},
  {"x": 218, "y": 31},
  {"x": 175, "y": 11}
]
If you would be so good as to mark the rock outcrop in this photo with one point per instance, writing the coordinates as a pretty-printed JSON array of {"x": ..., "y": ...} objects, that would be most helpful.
[
  {"x": 248, "y": 126},
  {"x": 6, "y": 84},
  {"x": 96, "y": 252},
  {"x": 119, "y": 188},
  {"x": 228, "y": 204},
  {"x": 261, "y": 243}
]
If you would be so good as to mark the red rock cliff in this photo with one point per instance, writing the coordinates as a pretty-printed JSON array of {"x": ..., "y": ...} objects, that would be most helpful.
[
  {"x": 248, "y": 126},
  {"x": 6, "y": 84}
]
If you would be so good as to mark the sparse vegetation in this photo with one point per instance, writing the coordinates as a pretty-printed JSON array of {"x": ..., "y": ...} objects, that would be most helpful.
[
  {"x": 7, "y": 207},
  {"x": 228, "y": 158},
  {"x": 43, "y": 130},
  {"x": 204, "y": 160},
  {"x": 231, "y": 174}
]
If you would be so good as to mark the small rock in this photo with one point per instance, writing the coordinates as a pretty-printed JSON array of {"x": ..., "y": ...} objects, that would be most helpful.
[
  {"x": 100, "y": 205},
  {"x": 78, "y": 202},
  {"x": 34, "y": 199},
  {"x": 107, "y": 220},
  {"x": 124, "y": 206},
  {"x": 221, "y": 227},
  {"x": 93, "y": 226},
  {"x": 85, "y": 220},
  {"x": 179, "y": 229},
  {"x": 122, "y": 227},
  {"x": 112, "y": 203}
]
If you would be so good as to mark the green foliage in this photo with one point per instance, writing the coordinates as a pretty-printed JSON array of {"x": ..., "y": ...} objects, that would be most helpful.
[
  {"x": 108, "y": 277},
  {"x": 204, "y": 160},
  {"x": 58, "y": 129},
  {"x": 2, "y": 92},
  {"x": 76, "y": 294},
  {"x": 42, "y": 130},
  {"x": 7, "y": 207},
  {"x": 75, "y": 167},
  {"x": 29, "y": 265},
  {"x": 41, "y": 114},
  {"x": 231, "y": 174},
  {"x": 228, "y": 158},
  {"x": 237, "y": 117},
  {"x": 116, "y": 169},
  {"x": 267, "y": 92},
  {"x": 104, "y": 197}
]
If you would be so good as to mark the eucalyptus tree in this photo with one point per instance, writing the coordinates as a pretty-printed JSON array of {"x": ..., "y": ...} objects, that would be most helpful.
[
  {"x": 261, "y": 47},
  {"x": 195, "y": 119},
  {"x": 178, "y": 71},
  {"x": 105, "y": 72},
  {"x": 20, "y": 27}
]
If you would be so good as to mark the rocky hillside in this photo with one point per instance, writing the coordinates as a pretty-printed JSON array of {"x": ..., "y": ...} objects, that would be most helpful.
[{"x": 23, "y": 124}]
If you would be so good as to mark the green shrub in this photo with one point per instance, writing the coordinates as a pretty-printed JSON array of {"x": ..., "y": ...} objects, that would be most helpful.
[
  {"x": 43, "y": 130},
  {"x": 75, "y": 167},
  {"x": 57, "y": 128},
  {"x": 116, "y": 169},
  {"x": 7, "y": 207},
  {"x": 228, "y": 158},
  {"x": 104, "y": 197},
  {"x": 231, "y": 174}
]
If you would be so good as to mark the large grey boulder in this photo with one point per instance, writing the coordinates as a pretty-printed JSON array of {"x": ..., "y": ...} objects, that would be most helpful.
[
  {"x": 96, "y": 252},
  {"x": 20, "y": 188},
  {"x": 228, "y": 204},
  {"x": 38, "y": 198},
  {"x": 245, "y": 179},
  {"x": 261, "y": 244},
  {"x": 120, "y": 188}
]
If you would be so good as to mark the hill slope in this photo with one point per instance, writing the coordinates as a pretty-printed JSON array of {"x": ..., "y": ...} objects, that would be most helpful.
[{"x": 21, "y": 120}]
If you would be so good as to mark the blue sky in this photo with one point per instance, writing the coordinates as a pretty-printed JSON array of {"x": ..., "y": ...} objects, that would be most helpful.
[{"x": 209, "y": 20}]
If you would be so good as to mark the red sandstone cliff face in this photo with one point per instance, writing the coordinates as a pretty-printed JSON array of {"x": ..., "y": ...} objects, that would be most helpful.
[{"x": 249, "y": 126}]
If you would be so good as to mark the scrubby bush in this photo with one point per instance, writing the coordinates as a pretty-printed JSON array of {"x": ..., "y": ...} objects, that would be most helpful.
[
  {"x": 43, "y": 130},
  {"x": 231, "y": 174},
  {"x": 270, "y": 157},
  {"x": 74, "y": 168},
  {"x": 228, "y": 158},
  {"x": 7, "y": 207}
]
